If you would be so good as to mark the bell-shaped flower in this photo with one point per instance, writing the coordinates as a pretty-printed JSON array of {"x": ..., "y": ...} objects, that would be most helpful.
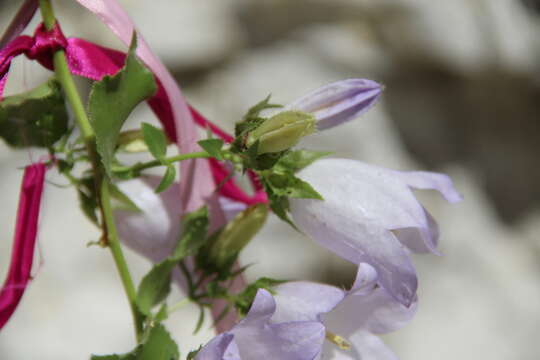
[
  {"x": 338, "y": 102},
  {"x": 153, "y": 230},
  {"x": 257, "y": 337},
  {"x": 370, "y": 214},
  {"x": 352, "y": 319}
]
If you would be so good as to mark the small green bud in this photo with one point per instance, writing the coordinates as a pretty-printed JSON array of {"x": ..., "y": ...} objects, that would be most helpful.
[
  {"x": 282, "y": 131},
  {"x": 236, "y": 235}
]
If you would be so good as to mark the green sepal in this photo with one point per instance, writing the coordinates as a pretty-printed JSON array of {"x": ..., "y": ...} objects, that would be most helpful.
[
  {"x": 113, "y": 98},
  {"x": 252, "y": 119},
  {"x": 286, "y": 184},
  {"x": 34, "y": 118},
  {"x": 243, "y": 300},
  {"x": 155, "y": 140},
  {"x": 213, "y": 147},
  {"x": 167, "y": 179},
  {"x": 296, "y": 160}
]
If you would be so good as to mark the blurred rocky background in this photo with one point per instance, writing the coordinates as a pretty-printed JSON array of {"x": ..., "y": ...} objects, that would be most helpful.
[{"x": 462, "y": 97}]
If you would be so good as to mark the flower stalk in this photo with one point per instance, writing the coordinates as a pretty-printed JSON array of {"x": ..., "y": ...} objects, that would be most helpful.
[{"x": 101, "y": 183}]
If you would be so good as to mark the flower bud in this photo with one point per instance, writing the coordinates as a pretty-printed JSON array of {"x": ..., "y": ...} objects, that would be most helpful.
[
  {"x": 236, "y": 235},
  {"x": 338, "y": 102},
  {"x": 282, "y": 131}
]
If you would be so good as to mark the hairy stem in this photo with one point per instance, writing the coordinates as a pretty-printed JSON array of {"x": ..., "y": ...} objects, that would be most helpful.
[
  {"x": 101, "y": 182},
  {"x": 154, "y": 163}
]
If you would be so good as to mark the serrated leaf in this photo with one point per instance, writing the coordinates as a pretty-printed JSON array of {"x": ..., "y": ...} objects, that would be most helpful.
[
  {"x": 34, "y": 118},
  {"x": 155, "y": 141},
  {"x": 168, "y": 179},
  {"x": 296, "y": 160},
  {"x": 159, "y": 346},
  {"x": 195, "y": 225},
  {"x": 113, "y": 98},
  {"x": 212, "y": 147}
]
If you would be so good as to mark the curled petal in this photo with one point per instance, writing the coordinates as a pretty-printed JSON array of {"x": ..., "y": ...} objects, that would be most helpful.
[
  {"x": 24, "y": 241},
  {"x": 421, "y": 240},
  {"x": 375, "y": 311},
  {"x": 338, "y": 102},
  {"x": 424, "y": 180},
  {"x": 305, "y": 301}
]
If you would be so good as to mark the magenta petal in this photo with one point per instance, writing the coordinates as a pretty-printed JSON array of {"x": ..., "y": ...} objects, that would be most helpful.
[
  {"x": 24, "y": 242},
  {"x": 339, "y": 102}
]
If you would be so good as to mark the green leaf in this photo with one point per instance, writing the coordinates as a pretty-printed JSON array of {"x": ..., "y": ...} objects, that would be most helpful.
[
  {"x": 168, "y": 179},
  {"x": 162, "y": 314},
  {"x": 195, "y": 225},
  {"x": 296, "y": 160},
  {"x": 155, "y": 286},
  {"x": 158, "y": 345},
  {"x": 155, "y": 140},
  {"x": 113, "y": 98},
  {"x": 193, "y": 354},
  {"x": 88, "y": 199},
  {"x": 34, "y": 118},
  {"x": 212, "y": 147}
]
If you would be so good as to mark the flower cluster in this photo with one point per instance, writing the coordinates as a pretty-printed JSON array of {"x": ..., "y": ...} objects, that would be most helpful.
[{"x": 194, "y": 229}]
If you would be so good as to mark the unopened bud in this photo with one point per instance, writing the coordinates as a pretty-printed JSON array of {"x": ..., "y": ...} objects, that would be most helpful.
[
  {"x": 236, "y": 235},
  {"x": 338, "y": 102},
  {"x": 282, "y": 131}
]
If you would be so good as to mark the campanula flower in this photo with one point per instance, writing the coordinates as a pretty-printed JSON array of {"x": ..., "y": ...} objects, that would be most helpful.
[
  {"x": 257, "y": 337},
  {"x": 352, "y": 319},
  {"x": 370, "y": 214},
  {"x": 338, "y": 102}
]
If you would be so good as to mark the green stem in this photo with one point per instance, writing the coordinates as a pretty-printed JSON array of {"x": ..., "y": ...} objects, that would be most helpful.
[
  {"x": 64, "y": 76},
  {"x": 101, "y": 183},
  {"x": 118, "y": 255},
  {"x": 154, "y": 163}
]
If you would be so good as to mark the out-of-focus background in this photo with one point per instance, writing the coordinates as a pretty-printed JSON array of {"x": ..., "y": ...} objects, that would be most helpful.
[{"x": 462, "y": 97}]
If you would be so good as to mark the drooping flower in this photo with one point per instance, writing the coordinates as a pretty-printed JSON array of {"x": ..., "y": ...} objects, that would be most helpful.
[
  {"x": 370, "y": 214},
  {"x": 338, "y": 102},
  {"x": 256, "y": 337},
  {"x": 352, "y": 319}
]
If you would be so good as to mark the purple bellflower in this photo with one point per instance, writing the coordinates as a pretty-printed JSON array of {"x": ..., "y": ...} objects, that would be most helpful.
[
  {"x": 256, "y": 337},
  {"x": 370, "y": 214},
  {"x": 293, "y": 323},
  {"x": 352, "y": 319}
]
